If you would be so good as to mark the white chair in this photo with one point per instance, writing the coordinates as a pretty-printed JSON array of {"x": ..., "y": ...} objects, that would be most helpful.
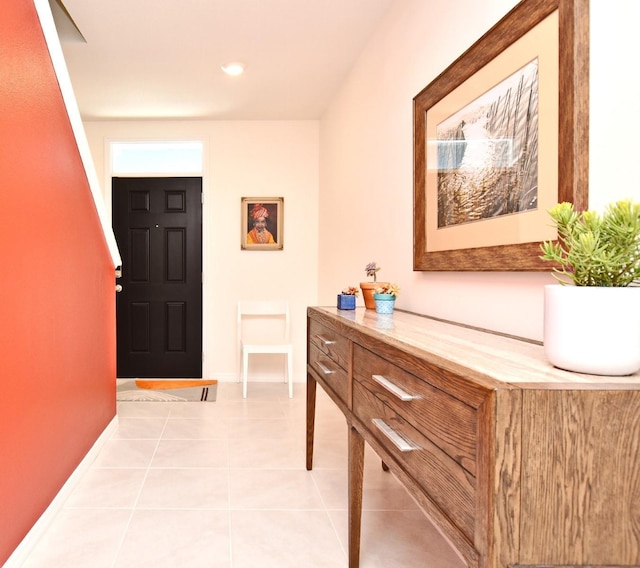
[{"x": 270, "y": 334}]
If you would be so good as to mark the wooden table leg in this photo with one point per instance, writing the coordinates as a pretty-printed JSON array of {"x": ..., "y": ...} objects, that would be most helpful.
[
  {"x": 356, "y": 471},
  {"x": 311, "y": 418}
]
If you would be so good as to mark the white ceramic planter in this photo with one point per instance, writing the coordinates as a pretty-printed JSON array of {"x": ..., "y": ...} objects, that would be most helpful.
[{"x": 593, "y": 330}]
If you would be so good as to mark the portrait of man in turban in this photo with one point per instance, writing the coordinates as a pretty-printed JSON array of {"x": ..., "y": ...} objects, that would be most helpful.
[
  {"x": 261, "y": 220},
  {"x": 259, "y": 234}
]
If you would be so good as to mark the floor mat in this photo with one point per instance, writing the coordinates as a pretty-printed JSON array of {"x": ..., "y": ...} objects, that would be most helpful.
[{"x": 167, "y": 390}]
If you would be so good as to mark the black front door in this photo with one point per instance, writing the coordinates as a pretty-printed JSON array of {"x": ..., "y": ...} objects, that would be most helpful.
[{"x": 158, "y": 227}]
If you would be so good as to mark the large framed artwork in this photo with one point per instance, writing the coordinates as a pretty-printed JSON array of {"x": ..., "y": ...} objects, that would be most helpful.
[
  {"x": 262, "y": 223},
  {"x": 499, "y": 138}
]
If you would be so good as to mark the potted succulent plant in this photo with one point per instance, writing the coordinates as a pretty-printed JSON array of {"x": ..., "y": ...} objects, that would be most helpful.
[
  {"x": 347, "y": 298},
  {"x": 384, "y": 296},
  {"x": 592, "y": 317},
  {"x": 368, "y": 287}
]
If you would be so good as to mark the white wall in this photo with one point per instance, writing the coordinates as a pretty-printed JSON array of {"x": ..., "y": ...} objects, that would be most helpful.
[
  {"x": 243, "y": 159},
  {"x": 366, "y": 149},
  {"x": 614, "y": 119},
  {"x": 348, "y": 182}
]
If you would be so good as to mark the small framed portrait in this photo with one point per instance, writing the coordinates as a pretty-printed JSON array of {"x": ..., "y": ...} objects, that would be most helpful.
[{"x": 262, "y": 223}]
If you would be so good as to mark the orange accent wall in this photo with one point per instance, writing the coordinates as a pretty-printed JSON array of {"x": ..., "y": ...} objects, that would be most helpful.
[{"x": 57, "y": 301}]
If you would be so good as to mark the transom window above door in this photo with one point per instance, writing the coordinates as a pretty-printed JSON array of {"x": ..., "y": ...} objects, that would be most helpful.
[{"x": 170, "y": 157}]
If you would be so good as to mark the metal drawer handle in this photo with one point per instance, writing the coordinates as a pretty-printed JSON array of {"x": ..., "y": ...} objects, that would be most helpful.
[
  {"x": 325, "y": 341},
  {"x": 393, "y": 389},
  {"x": 395, "y": 438},
  {"x": 324, "y": 368}
]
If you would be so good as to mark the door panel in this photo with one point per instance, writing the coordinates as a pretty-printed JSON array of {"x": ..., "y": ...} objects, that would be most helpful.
[{"x": 158, "y": 226}]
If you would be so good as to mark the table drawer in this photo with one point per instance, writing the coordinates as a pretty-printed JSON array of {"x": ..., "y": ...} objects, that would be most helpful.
[
  {"x": 334, "y": 376},
  {"x": 446, "y": 421},
  {"x": 330, "y": 343},
  {"x": 443, "y": 480}
]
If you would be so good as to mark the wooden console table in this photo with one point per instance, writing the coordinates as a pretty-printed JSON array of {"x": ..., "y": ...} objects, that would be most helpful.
[{"x": 518, "y": 463}]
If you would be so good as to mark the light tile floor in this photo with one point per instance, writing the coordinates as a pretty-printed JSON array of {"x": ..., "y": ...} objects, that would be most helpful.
[{"x": 224, "y": 485}]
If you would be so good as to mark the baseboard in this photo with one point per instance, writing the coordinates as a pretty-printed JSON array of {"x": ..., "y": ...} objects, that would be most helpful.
[
  {"x": 22, "y": 551},
  {"x": 232, "y": 378}
]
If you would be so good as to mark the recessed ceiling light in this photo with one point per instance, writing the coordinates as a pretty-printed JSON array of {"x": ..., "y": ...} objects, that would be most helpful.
[{"x": 234, "y": 68}]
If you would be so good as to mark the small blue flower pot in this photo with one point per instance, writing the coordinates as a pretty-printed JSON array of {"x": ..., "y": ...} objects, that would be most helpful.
[
  {"x": 384, "y": 303},
  {"x": 346, "y": 302}
]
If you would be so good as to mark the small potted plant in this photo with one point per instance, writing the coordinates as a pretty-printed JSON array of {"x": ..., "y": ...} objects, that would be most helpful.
[
  {"x": 592, "y": 317},
  {"x": 368, "y": 287},
  {"x": 347, "y": 298},
  {"x": 384, "y": 296}
]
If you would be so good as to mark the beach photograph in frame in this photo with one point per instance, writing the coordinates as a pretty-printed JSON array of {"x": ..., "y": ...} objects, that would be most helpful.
[
  {"x": 499, "y": 138},
  {"x": 487, "y": 153}
]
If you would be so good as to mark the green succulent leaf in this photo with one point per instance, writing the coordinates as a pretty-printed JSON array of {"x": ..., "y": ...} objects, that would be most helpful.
[{"x": 594, "y": 249}]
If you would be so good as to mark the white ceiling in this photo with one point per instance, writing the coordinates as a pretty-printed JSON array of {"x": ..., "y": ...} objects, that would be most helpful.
[{"x": 161, "y": 59}]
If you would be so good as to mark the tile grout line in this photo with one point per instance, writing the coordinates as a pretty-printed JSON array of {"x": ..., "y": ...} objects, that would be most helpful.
[
  {"x": 229, "y": 512},
  {"x": 137, "y": 499}
]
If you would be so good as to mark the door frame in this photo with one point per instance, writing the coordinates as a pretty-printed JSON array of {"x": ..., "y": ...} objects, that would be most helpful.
[{"x": 109, "y": 173}]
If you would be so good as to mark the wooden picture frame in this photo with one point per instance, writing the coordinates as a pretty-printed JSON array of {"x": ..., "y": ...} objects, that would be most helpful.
[
  {"x": 501, "y": 52},
  {"x": 262, "y": 223}
]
